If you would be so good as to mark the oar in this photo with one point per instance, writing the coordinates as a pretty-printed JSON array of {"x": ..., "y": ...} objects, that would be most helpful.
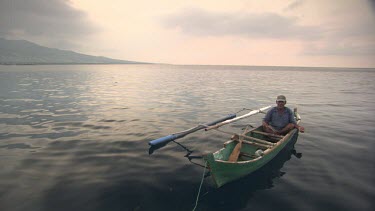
[
  {"x": 160, "y": 142},
  {"x": 237, "y": 149}
]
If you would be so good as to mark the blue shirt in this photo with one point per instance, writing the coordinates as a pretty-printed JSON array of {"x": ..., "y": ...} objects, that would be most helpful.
[{"x": 277, "y": 120}]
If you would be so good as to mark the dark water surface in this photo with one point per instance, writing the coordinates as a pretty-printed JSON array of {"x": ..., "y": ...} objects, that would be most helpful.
[{"x": 76, "y": 137}]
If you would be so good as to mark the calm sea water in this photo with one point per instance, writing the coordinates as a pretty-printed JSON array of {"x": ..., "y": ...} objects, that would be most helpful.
[{"x": 76, "y": 137}]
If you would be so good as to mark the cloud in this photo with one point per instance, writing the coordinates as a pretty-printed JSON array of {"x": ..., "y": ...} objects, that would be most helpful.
[
  {"x": 354, "y": 38},
  {"x": 346, "y": 40},
  {"x": 295, "y": 4},
  {"x": 54, "y": 20},
  {"x": 372, "y": 5},
  {"x": 200, "y": 22},
  {"x": 340, "y": 49}
]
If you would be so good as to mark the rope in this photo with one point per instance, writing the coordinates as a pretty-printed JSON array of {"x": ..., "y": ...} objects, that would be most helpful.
[{"x": 200, "y": 186}]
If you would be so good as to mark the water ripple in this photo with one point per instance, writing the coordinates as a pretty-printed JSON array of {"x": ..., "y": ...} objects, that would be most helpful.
[{"x": 76, "y": 137}]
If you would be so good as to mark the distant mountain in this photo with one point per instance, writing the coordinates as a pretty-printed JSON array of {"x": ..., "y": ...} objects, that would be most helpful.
[{"x": 25, "y": 52}]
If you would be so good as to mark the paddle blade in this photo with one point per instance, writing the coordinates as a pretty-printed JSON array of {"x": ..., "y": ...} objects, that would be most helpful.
[
  {"x": 162, "y": 141},
  {"x": 236, "y": 152}
]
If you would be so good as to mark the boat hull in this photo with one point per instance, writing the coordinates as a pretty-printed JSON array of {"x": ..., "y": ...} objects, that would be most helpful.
[{"x": 224, "y": 171}]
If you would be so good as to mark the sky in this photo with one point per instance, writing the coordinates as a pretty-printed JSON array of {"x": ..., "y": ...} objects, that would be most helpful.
[{"x": 329, "y": 33}]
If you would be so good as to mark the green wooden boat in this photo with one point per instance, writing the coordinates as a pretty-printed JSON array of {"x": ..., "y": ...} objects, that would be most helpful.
[
  {"x": 257, "y": 149},
  {"x": 243, "y": 154}
]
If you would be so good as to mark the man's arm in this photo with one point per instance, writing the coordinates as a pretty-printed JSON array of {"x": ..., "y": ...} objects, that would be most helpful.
[{"x": 300, "y": 128}]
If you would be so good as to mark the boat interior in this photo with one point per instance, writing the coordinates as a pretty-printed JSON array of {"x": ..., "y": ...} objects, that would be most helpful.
[{"x": 254, "y": 143}]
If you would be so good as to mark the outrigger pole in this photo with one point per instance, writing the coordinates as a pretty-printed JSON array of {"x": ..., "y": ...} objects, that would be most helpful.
[
  {"x": 161, "y": 142},
  {"x": 261, "y": 110}
]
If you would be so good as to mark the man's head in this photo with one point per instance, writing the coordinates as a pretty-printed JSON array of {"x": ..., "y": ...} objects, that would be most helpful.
[
  {"x": 280, "y": 101},
  {"x": 281, "y": 98}
]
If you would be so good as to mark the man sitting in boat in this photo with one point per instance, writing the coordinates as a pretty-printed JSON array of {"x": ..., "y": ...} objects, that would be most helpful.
[{"x": 280, "y": 119}]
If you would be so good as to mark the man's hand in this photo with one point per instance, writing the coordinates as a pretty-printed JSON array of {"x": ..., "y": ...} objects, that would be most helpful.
[{"x": 301, "y": 129}]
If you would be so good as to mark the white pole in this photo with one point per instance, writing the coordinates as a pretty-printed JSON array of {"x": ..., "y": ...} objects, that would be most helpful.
[{"x": 237, "y": 118}]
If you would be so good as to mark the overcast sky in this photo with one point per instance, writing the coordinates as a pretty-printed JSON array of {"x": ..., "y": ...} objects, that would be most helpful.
[{"x": 237, "y": 32}]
